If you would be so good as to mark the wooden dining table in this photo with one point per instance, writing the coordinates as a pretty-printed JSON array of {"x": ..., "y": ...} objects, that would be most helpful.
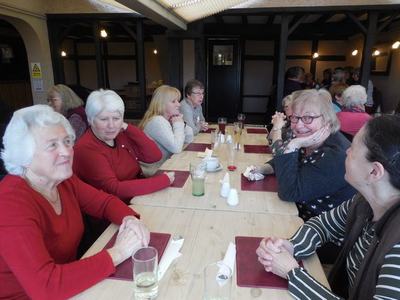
[
  {"x": 206, "y": 237},
  {"x": 207, "y": 224},
  {"x": 249, "y": 201}
]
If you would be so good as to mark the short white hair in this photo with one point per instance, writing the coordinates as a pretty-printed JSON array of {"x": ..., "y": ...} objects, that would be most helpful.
[
  {"x": 103, "y": 100},
  {"x": 354, "y": 95},
  {"x": 18, "y": 140}
]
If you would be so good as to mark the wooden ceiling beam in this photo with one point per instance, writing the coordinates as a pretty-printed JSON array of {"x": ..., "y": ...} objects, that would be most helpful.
[{"x": 355, "y": 20}]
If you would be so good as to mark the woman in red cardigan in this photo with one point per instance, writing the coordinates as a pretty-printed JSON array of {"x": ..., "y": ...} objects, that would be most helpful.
[
  {"x": 41, "y": 207},
  {"x": 107, "y": 156}
]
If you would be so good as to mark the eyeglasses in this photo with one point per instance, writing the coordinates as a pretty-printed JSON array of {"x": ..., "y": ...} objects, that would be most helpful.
[
  {"x": 304, "y": 119},
  {"x": 197, "y": 93}
]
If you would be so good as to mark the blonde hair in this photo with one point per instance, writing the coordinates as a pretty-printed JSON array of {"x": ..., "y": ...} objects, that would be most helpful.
[
  {"x": 69, "y": 99},
  {"x": 161, "y": 96},
  {"x": 322, "y": 100}
]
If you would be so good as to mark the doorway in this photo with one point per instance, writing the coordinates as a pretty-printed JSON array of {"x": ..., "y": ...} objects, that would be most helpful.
[
  {"x": 15, "y": 86},
  {"x": 223, "y": 79}
]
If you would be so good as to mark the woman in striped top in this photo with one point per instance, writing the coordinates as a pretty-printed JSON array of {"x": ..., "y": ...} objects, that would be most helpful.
[{"x": 366, "y": 227}]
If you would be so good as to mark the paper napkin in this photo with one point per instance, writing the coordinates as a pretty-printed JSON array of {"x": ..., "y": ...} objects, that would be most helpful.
[
  {"x": 229, "y": 261},
  {"x": 251, "y": 175},
  {"x": 170, "y": 254}
]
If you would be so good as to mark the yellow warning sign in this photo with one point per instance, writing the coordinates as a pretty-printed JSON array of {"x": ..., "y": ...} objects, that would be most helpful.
[{"x": 36, "y": 70}]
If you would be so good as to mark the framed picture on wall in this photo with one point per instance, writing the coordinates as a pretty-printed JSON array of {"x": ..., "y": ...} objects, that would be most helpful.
[{"x": 381, "y": 60}]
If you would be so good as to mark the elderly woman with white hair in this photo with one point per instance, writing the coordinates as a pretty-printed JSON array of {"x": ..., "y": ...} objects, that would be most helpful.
[
  {"x": 310, "y": 169},
  {"x": 164, "y": 124},
  {"x": 107, "y": 156},
  {"x": 353, "y": 116},
  {"x": 40, "y": 213}
]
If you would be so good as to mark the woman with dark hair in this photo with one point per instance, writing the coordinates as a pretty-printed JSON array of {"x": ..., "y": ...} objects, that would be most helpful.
[{"x": 366, "y": 227}]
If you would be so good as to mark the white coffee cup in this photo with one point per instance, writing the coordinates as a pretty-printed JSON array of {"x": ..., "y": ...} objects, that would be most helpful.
[
  {"x": 233, "y": 198},
  {"x": 212, "y": 163}
]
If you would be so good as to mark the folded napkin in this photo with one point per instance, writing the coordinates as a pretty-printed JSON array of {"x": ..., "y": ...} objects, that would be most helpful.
[
  {"x": 170, "y": 253},
  {"x": 252, "y": 175},
  {"x": 229, "y": 261},
  {"x": 206, "y": 154}
]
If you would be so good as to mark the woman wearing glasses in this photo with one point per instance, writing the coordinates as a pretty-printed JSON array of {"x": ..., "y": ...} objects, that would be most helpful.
[{"x": 310, "y": 169}]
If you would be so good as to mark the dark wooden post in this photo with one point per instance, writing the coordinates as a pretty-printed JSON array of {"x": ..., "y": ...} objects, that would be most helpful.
[
  {"x": 76, "y": 62},
  {"x": 283, "y": 42},
  {"x": 175, "y": 68},
  {"x": 141, "y": 76},
  {"x": 368, "y": 44},
  {"x": 99, "y": 59}
]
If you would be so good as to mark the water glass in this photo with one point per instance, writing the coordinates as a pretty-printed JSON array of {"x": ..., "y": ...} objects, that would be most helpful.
[
  {"x": 145, "y": 267},
  {"x": 222, "y": 124},
  {"x": 217, "y": 282},
  {"x": 198, "y": 175}
]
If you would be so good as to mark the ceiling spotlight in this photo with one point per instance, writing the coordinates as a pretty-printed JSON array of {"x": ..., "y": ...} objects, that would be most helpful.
[
  {"x": 376, "y": 53},
  {"x": 315, "y": 55},
  {"x": 355, "y": 52},
  {"x": 396, "y": 45},
  {"x": 155, "y": 51},
  {"x": 63, "y": 53},
  {"x": 103, "y": 33}
]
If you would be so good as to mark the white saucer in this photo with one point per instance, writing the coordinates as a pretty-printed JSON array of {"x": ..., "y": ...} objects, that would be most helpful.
[{"x": 219, "y": 168}]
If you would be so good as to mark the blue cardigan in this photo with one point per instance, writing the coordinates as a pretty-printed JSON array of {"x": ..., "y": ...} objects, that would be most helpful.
[{"x": 315, "y": 182}]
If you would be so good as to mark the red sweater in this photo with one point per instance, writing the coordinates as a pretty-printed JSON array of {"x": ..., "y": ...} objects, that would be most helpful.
[
  {"x": 116, "y": 169},
  {"x": 351, "y": 122},
  {"x": 38, "y": 247}
]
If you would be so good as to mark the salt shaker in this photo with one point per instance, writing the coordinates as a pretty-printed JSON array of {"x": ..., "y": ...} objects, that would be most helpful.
[
  {"x": 233, "y": 198},
  {"x": 225, "y": 189}
]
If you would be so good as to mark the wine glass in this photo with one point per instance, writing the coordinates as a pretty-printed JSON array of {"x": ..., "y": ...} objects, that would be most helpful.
[{"x": 241, "y": 118}]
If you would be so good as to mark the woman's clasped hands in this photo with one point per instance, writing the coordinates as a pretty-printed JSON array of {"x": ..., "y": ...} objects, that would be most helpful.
[
  {"x": 276, "y": 255},
  {"x": 132, "y": 235}
]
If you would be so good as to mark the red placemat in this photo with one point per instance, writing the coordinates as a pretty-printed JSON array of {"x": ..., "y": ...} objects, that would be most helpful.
[
  {"x": 124, "y": 271},
  {"x": 268, "y": 184},
  {"x": 199, "y": 147},
  {"x": 257, "y": 130},
  {"x": 249, "y": 271},
  {"x": 209, "y": 130},
  {"x": 257, "y": 149},
  {"x": 180, "y": 177}
]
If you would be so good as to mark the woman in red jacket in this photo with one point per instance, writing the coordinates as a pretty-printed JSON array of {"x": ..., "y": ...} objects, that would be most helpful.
[
  {"x": 108, "y": 155},
  {"x": 41, "y": 207}
]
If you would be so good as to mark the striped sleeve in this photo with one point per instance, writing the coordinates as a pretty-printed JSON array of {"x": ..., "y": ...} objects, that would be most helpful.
[
  {"x": 327, "y": 227},
  {"x": 388, "y": 285},
  {"x": 303, "y": 286}
]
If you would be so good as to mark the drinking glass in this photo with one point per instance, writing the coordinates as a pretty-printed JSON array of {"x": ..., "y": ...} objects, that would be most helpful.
[
  {"x": 217, "y": 282},
  {"x": 231, "y": 157},
  {"x": 237, "y": 133},
  {"x": 241, "y": 118},
  {"x": 198, "y": 175},
  {"x": 145, "y": 267},
  {"x": 222, "y": 124}
]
